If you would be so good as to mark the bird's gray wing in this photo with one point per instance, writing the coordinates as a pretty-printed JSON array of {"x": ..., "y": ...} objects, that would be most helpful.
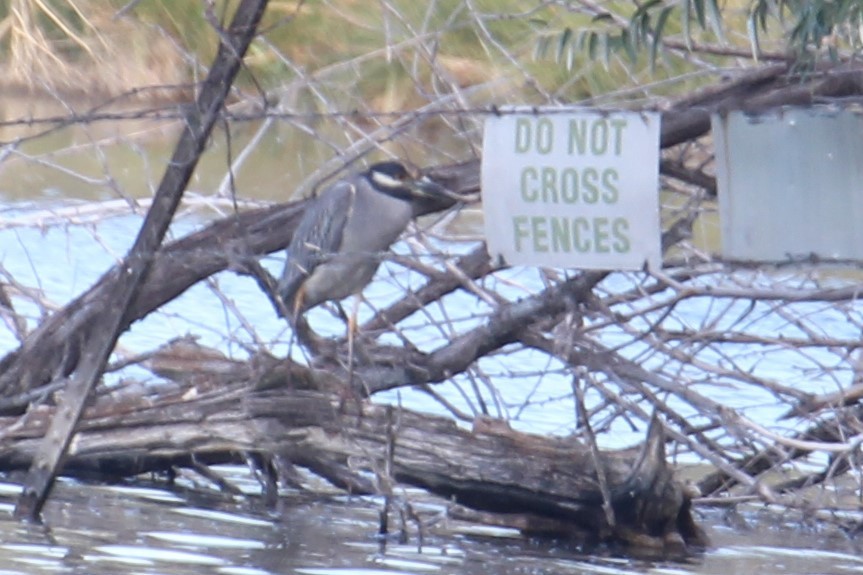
[{"x": 317, "y": 237}]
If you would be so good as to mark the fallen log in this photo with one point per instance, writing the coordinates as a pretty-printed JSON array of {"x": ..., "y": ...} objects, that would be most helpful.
[{"x": 552, "y": 486}]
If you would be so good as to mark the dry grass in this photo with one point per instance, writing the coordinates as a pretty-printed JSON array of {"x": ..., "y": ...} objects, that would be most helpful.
[
  {"x": 89, "y": 46},
  {"x": 79, "y": 47}
]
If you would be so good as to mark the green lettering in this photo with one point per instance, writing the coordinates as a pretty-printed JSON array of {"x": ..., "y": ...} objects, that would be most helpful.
[
  {"x": 620, "y": 232},
  {"x": 569, "y": 185},
  {"x": 522, "y": 135},
  {"x": 544, "y": 135},
  {"x": 618, "y": 125},
  {"x": 529, "y": 189},
  {"x": 539, "y": 228},
  {"x": 519, "y": 224},
  {"x": 589, "y": 181},
  {"x": 601, "y": 235},
  {"x": 549, "y": 186},
  {"x": 599, "y": 137},
  {"x": 580, "y": 231},
  {"x": 561, "y": 237},
  {"x": 609, "y": 183},
  {"x": 577, "y": 136}
]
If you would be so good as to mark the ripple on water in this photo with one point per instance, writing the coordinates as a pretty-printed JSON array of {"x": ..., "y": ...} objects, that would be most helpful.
[
  {"x": 155, "y": 555},
  {"x": 231, "y": 570},
  {"x": 221, "y": 516},
  {"x": 46, "y": 550},
  {"x": 198, "y": 540},
  {"x": 350, "y": 571},
  {"x": 413, "y": 566},
  {"x": 10, "y": 489},
  {"x": 147, "y": 493}
]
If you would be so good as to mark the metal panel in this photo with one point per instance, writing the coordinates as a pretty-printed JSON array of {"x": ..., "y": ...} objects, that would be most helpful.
[{"x": 790, "y": 183}]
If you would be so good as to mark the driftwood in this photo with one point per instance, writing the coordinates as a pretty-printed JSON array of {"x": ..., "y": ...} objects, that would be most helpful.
[
  {"x": 548, "y": 486},
  {"x": 125, "y": 279}
]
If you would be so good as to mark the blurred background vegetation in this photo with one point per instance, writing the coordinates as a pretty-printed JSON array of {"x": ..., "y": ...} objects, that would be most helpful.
[
  {"x": 338, "y": 79},
  {"x": 569, "y": 50}
]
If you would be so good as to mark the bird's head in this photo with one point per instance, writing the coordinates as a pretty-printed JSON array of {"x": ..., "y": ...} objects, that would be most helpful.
[{"x": 394, "y": 179}]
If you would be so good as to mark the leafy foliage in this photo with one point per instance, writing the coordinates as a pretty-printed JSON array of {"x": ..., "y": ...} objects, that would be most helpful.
[
  {"x": 809, "y": 29},
  {"x": 818, "y": 25}
]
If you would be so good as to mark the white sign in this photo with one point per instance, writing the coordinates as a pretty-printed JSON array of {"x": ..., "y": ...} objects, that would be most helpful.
[{"x": 572, "y": 188}]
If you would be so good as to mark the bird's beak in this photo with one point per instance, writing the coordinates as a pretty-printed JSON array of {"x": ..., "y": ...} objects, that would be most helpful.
[{"x": 426, "y": 187}]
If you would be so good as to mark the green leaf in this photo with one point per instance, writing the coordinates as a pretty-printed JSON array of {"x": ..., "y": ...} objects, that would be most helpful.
[
  {"x": 752, "y": 30},
  {"x": 762, "y": 9},
  {"x": 699, "y": 13},
  {"x": 541, "y": 48},
  {"x": 686, "y": 19},
  {"x": 591, "y": 45},
  {"x": 581, "y": 40},
  {"x": 563, "y": 42},
  {"x": 605, "y": 49},
  {"x": 639, "y": 23},
  {"x": 715, "y": 15},
  {"x": 657, "y": 35},
  {"x": 645, "y": 8},
  {"x": 628, "y": 44}
]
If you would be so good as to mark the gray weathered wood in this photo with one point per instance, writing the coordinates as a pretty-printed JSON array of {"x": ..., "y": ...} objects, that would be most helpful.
[
  {"x": 534, "y": 482},
  {"x": 107, "y": 322}
]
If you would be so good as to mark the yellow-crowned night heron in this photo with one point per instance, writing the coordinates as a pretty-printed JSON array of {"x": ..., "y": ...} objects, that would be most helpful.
[{"x": 337, "y": 245}]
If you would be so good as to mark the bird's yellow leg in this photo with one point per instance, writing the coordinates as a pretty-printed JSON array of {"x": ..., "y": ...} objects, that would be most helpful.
[{"x": 352, "y": 333}]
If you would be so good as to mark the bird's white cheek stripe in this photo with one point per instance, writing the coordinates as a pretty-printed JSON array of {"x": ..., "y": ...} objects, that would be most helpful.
[{"x": 385, "y": 181}]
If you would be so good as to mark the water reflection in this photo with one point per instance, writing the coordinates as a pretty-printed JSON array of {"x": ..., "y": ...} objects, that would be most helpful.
[{"x": 148, "y": 530}]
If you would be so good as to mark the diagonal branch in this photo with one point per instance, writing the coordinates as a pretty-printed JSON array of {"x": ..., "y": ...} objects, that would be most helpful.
[{"x": 109, "y": 322}]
